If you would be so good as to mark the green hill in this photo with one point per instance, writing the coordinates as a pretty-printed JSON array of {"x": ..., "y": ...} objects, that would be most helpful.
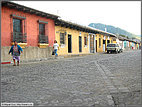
[{"x": 114, "y": 30}]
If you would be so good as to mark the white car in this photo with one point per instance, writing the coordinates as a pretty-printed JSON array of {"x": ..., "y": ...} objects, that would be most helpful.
[{"x": 113, "y": 47}]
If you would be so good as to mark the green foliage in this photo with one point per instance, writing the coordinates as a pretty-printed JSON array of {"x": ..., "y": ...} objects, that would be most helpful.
[
  {"x": 112, "y": 29},
  {"x": 123, "y": 35}
]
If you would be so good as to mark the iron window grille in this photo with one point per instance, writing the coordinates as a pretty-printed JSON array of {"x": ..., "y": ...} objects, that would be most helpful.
[
  {"x": 100, "y": 42},
  {"x": 18, "y": 34},
  {"x": 19, "y": 37},
  {"x": 85, "y": 41},
  {"x": 43, "y": 39},
  {"x": 62, "y": 38},
  {"x": 41, "y": 29}
]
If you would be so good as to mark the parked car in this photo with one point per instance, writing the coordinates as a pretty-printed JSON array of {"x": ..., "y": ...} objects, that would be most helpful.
[{"x": 113, "y": 47}]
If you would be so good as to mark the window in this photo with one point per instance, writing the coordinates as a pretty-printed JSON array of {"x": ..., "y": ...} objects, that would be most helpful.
[
  {"x": 41, "y": 29},
  {"x": 17, "y": 25},
  {"x": 18, "y": 33},
  {"x": 85, "y": 41},
  {"x": 43, "y": 38},
  {"x": 111, "y": 45},
  {"x": 99, "y": 42},
  {"x": 62, "y": 38}
]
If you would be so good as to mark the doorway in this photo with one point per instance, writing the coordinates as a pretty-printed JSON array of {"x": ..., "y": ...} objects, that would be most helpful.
[
  {"x": 69, "y": 44},
  {"x": 108, "y": 41},
  {"x": 80, "y": 44},
  {"x": 92, "y": 44},
  {"x": 96, "y": 45},
  {"x": 104, "y": 45}
]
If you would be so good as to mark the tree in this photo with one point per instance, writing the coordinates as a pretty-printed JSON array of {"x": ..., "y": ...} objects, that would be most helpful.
[{"x": 123, "y": 36}]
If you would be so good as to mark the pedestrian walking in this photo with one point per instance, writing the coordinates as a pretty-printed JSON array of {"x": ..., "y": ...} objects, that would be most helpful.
[
  {"x": 55, "y": 48},
  {"x": 16, "y": 50},
  {"x": 132, "y": 48}
]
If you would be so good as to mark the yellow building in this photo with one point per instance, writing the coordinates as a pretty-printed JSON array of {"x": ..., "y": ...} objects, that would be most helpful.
[
  {"x": 102, "y": 40},
  {"x": 137, "y": 45},
  {"x": 114, "y": 40},
  {"x": 130, "y": 44},
  {"x": 99, "y": 42},
  {"x": 76, "y": 39},
  {"x": 73, "y": 38},
  {"x": 71, "y": 41}
]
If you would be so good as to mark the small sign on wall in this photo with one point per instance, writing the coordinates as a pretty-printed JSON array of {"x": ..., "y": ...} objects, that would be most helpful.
[{"x": 79, "y": 33}]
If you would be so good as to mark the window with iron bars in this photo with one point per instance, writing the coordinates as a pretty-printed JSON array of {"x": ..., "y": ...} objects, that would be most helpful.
[
  {"x": 43, "y": 38},
  {"x": 99, "y": 42},
  {"x": 85, "y": 41},
  {"x": 62, "y": 38},
  {"x": 18, "y": 33}
]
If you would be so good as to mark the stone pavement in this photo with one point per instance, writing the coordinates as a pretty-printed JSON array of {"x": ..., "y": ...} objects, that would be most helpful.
[
  {"x": 93, "y": 80},
  {"x": 125, "y": 75}
]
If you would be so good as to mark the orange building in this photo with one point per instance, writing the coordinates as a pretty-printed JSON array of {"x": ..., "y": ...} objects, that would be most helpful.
[
  {"x": 32, "y": 29},
  {"x": 23, "y": 21}
]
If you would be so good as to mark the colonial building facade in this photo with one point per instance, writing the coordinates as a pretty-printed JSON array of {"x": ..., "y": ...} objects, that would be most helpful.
[
  {"x": 35, "y": 31},
  {"x": 77, "y": 39},
  {"x": 32, "y": 29}
]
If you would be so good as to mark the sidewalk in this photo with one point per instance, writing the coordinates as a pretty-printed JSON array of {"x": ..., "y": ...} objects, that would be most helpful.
[
  {"x": 49, "y": 58},
  {"x": 52, "y": 58}
]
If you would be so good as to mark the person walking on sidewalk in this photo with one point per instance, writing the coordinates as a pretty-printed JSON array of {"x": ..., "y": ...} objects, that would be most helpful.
[
  {"x": 16, "y": 50},
  {"x": 55, "y": 48}
]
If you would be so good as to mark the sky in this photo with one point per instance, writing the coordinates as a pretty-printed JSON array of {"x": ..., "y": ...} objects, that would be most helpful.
[{"x": 123, "y": 14}]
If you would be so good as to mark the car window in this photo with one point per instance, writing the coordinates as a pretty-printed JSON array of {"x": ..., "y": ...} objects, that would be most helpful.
[{"x": 111, "y": 45}]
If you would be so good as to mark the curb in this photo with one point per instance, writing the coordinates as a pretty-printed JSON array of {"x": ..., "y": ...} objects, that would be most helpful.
[
  {"x": 76, "y": 55},
  {"x": 6, "y": 62}
]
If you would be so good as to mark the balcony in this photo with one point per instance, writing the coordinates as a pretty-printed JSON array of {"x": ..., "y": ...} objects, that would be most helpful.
[
  {"x": 43, "y": 41},
  {"x": 19, "y": 37}
]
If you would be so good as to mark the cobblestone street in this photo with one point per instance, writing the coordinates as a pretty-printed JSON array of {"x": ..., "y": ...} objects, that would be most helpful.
[{"x": 93, "y": 80}]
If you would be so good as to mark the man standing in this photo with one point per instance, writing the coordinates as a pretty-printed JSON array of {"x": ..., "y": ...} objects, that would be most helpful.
[{"x": 16, "y": 50}]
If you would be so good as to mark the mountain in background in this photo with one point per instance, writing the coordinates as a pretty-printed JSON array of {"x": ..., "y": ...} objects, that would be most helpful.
[{"x": 114, "y": 30}]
